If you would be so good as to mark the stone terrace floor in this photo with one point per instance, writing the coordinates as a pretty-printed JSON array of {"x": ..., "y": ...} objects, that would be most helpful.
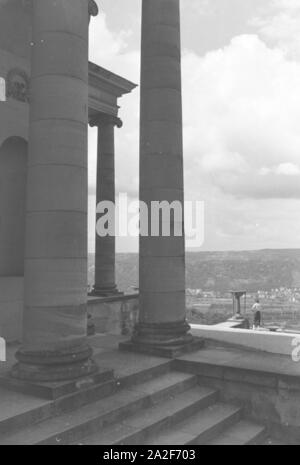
[
  {"x": 106, "y": 354},
  {"x": 245, "y": 359}
]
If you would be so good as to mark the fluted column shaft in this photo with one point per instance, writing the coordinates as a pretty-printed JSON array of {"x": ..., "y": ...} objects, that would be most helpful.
[
  {"x": 162, "y": 259},
  {"x": 105, "y": 247},
  {"x": 55, "y": 312}
]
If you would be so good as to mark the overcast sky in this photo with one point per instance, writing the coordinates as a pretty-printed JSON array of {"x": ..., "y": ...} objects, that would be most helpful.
[{"x": 241, "y": 101}]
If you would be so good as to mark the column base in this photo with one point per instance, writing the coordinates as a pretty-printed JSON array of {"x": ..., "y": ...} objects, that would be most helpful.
[
  {"x": 168, "y": 340},
  {"x": 105, "y": 292},
  {"x": 236, "y": 317},
  {"x": 240, "y": 321},
  {"x": 54, "y": 366}
]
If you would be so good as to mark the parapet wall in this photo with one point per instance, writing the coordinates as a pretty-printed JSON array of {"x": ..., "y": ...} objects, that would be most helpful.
[
  {"x": 264, "y": 341},
  {"x": 114, "y": 315},
  {"x": 11, "y": 308},
  {"x": 269, "y": 394}
]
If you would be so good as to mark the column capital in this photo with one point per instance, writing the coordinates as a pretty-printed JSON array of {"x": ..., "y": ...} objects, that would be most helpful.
[
  {"x": 103, "y": 119},
  {"x": 93, "y": 8}
]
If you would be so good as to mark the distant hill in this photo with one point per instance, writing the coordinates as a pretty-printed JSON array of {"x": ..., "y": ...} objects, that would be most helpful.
[
  {"x": 252, "y": 270},
  {"x": 221, "y": 271}
]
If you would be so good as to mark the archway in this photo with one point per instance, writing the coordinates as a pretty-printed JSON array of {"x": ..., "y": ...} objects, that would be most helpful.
[{"x": 13, "y": 171}]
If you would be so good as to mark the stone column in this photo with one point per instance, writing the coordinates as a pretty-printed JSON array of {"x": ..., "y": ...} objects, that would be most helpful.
[
  {"x": 55, "y": 313},
  {"x": 162, "y": 320},
  {"x": 105, "y": 247}
]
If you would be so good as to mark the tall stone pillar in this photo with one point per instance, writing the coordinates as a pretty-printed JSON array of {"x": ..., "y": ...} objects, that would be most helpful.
[
  {"x": 162, "y": 323},
  {"x": 105, "y": 247},
  {"x": 55, "y": 314}
]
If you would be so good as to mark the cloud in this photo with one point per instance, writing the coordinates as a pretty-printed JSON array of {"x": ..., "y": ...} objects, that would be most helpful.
[
  {"x": 104, "y": 44},
  {"x": 198, "y": 8},
  {"x": 241, "y": 113},
  {"x": 110, "y": 50},
  {"x": 280, "y": 25},
  {"x": 286, "y": 169},
  {"x": 242, "y": 143},
  {"x": 290, "y": 5},
  {"x": 241, "y": 137}
]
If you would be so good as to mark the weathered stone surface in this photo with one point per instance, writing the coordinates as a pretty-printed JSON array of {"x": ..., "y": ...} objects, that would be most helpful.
[
  {"x": 55, "y": 319},
  {"x": 13, "y": 164},
  {"x": 162, "y": 263},
  {"x": 114, "y": 315},
  {"x": 157, "y": 349},
  {"x": 265, "y": 384},
  {"x": 151, "y": 401},
  {"x": 105, "y": 248}
]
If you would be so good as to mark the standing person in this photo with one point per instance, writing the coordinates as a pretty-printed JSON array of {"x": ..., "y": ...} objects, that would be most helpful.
[{"x": 257, "y": 309}]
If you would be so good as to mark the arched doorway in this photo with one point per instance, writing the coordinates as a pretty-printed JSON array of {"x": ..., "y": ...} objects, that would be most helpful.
[{"x": 13, "y": 171}]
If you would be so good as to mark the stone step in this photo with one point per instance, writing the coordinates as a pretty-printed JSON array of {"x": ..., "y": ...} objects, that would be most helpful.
[
  {"x": 137, "y": 428},
  {"x": 19, "y": 410},
  {"x": 28, "y": 411},
  {"x": 241, "y": 434},
  {"x": 201, "y": 427},
  {"x": 55, "y": 390},
  {"x": 70, "y": 427},
  {"x": 141, "y": 375}
]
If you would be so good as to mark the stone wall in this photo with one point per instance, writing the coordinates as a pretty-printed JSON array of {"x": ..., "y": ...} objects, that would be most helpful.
[
  {"x": 13, "y": 111},
  {"x": 114, "y": 315},
  {"x": 268, "y": 397},
  {"x": 11, "y": 308},
  {"x": 14, "y": 69},
  {"x": 264, "y": 341}
]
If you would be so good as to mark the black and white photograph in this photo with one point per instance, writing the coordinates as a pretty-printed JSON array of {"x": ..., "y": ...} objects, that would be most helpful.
[{"x": 149, "y": 226}]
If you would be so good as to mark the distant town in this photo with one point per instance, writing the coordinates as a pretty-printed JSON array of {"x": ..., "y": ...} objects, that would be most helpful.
[
  {"x": 281, "y": 306},
  {"x": 279, "y": 295},
  {"x": 271, "y": 275}
]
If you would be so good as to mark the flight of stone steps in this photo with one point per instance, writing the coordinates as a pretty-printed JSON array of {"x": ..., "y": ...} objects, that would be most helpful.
[{"x": 158, "y": 407}]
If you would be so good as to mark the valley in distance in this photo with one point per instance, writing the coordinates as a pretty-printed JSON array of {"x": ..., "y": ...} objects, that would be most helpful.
[{"x": 273, "y": 275}]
